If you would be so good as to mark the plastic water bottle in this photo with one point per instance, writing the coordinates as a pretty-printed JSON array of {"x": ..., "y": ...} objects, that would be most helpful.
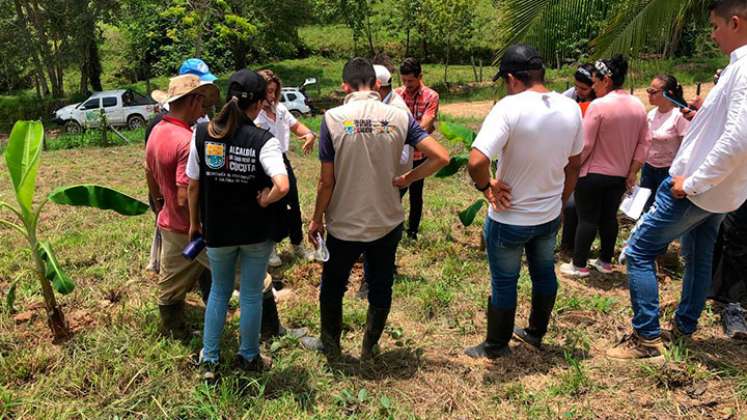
[{"x": 322, "y": 253}]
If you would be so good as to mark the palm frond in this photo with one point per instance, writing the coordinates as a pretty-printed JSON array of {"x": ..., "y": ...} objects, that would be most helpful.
[
  {"x": 536, "y": 22},
  {"x": 639, "y": 24}
]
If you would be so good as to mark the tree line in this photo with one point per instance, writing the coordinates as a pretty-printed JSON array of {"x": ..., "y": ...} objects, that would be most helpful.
[{"x": 43, "y": 40}]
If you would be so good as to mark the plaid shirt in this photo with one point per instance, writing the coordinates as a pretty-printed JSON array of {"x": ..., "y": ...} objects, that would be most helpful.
[{"x": 424, "y": 102}]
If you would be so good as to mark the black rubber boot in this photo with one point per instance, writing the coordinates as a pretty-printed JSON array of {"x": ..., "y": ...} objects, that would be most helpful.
[
  {"x": 205, "y": 282},
  {"x": 375, "y": 323},
  {"x": 270, "y": 319},
  {"x": 500, "y": 328},
  {"x": 331, "y": 326},
  {"x": 539, "y": 318},
  {"x": 271, "y": 326},
  {"x": 172, "y": 321}
]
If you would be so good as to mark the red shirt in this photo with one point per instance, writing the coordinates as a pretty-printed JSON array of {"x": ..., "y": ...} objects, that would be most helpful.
[
  {"x": 166, "y": 155},
  {"x": 423, "y": 102}
]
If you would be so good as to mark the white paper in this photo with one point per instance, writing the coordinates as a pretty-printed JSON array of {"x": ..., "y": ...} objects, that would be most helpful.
[{"x": 634, "y": 202}]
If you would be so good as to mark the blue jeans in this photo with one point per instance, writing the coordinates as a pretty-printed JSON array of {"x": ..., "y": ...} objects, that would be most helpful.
[
  {"x": 669, "y": 219},
  {"x": 253, "y": 268},
  {"x": 651, "y": 178},
  {"x": 505, "y": 245}
]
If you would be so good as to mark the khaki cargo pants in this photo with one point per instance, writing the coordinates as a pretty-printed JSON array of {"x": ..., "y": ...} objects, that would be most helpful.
[{"x": 178, "y": 274}]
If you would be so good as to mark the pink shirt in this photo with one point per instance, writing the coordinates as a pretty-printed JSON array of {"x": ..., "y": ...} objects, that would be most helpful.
[
  {"x": 615, "y": 134},
  {"x": 667, "y": 131},
  {"x": 166, "y": 155}
]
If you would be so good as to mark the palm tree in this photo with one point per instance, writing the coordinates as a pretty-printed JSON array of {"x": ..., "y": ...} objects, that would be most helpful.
[{"x": 608, "y": 26}]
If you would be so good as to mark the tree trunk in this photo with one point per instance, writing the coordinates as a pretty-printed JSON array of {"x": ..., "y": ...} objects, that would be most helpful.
[
  {"x": 474, "y": 68},
  {"x": 23, "y": 28},
  {"x": 369, "y": 35},
  {"x": 48, "y": 57},
  {"x": 83, "y": 90},
  {"x": 407, "y": 42},
  {"x": 446, "y": 61},
  {"x": 94, "y": 65}
]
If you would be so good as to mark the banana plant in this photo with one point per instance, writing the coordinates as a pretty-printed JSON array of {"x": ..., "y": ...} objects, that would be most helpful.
[
  {"x": 22, "y": 157},
  {"x": 457, "y": 133}
]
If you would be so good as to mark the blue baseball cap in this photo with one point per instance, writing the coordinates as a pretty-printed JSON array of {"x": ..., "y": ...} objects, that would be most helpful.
[{"x": 198, "y": 68}]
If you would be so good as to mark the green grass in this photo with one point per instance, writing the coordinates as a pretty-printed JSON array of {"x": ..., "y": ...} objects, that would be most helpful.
[{"x": 116, "y": 364}]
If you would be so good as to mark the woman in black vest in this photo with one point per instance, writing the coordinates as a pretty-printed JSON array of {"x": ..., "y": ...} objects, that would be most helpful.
[{"x": 237, "y": 178}]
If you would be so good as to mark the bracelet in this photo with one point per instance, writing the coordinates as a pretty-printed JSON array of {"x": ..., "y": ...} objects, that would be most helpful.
[{"x": 483, "y": 188}]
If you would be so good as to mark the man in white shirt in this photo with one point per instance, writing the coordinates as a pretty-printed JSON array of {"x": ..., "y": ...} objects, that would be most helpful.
[
  {"x": 707, "y": 179},
  {"x": 537, "y": 137}
]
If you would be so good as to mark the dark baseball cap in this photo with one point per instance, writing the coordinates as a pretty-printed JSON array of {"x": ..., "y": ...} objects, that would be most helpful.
[
  {"x": 519, "y": 57},
  {"x": 247, "y": 85}
]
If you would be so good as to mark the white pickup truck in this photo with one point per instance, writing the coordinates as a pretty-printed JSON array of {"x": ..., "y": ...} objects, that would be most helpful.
[{"x": 123, "y": 108}]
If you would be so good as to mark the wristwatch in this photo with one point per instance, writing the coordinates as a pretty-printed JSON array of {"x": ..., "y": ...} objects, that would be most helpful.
[{"x": 482, "y": 189}]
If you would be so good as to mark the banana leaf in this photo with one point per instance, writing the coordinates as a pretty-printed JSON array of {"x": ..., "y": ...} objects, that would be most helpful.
[
  {"x": 22, "y": 158},
  {"x": 98, "y": 197},
  {"x": 457, "y": 132},
  {"x": 53, "y": 272},
  {"x": 453, "y": 167},
  {"x": 467, "y": 216}
]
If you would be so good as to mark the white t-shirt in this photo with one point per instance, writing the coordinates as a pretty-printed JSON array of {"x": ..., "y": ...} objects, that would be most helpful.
[
  {"x": 571, "y": 93},
  {"x": 281, "y": 127},
  {"x": 270, "y": 157},
  {"x": 532, "y": 135}
]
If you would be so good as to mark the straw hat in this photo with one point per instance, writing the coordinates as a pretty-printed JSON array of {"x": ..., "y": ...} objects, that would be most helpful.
[{"x": 186, "y": 84}]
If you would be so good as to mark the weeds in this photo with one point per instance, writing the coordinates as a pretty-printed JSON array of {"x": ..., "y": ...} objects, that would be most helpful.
[
  {"x": 115, "y": 365},
  {"x": 573, "y": 382},
  {"x": 597, "y": 303}
]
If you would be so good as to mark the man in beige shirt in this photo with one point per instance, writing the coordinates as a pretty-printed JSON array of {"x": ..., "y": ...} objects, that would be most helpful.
[{"x": 358, "y": 196}]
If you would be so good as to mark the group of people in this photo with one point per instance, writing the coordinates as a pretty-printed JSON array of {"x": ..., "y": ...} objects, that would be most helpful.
[
  {"x": 692, "y": 158},
  {"x": 229, "y": 181}
]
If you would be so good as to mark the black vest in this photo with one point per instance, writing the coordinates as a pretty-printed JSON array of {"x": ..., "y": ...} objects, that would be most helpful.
[{"x": 231, "y": 175}]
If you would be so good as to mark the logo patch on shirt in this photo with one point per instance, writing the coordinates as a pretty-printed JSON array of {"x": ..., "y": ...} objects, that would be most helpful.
[
  {"x": 215, "y": 155},
  {"x": 382, "y": 127},
  {"x": 349, "y": 126},
  {"x": 366, "y": 127}
]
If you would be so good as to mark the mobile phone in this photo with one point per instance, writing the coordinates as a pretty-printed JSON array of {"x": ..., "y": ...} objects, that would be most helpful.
[{"x": 676, "y": 102}]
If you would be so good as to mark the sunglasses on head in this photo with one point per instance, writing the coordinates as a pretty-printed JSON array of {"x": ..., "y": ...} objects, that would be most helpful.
[{"x": 602, "y": 68}]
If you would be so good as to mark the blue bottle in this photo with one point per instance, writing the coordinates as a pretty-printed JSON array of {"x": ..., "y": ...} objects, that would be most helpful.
[{"x": 193, "y": 249}]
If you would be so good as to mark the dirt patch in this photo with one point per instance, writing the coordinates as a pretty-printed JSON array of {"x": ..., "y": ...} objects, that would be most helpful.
[{"x": 480, "y": 109}]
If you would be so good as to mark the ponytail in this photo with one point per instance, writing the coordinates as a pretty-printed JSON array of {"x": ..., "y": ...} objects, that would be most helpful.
[
  {"x": 224, "y": 124},
  {"x": 672, "y": 87}
]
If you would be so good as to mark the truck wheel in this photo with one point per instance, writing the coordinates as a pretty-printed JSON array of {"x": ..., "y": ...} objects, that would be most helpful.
[
  {"x": 296, "y": 113},
  {"x": 73, "y": 127},
  {"x": 135, "y": 121}
]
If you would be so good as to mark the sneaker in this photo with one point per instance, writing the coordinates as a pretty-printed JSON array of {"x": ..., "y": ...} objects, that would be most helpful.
[
  {"x": 275, "y": 260},
  {"x": 673, "y": 334},
  {"x": 300, "y": 251},
  {"x": 733, "y": 320},
  {"x": 570, "y": 270},
  {"x": 601, "y": 266},
  {"x": 622, "y": 258},
  {"x": 632, "y": 347},
  {"x": 258, "y": 364},
  {"x": 208, "y": 370}
]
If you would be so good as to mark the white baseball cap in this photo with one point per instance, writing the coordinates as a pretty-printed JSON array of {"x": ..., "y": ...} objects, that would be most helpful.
[{"x": 383, "y": 75}]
